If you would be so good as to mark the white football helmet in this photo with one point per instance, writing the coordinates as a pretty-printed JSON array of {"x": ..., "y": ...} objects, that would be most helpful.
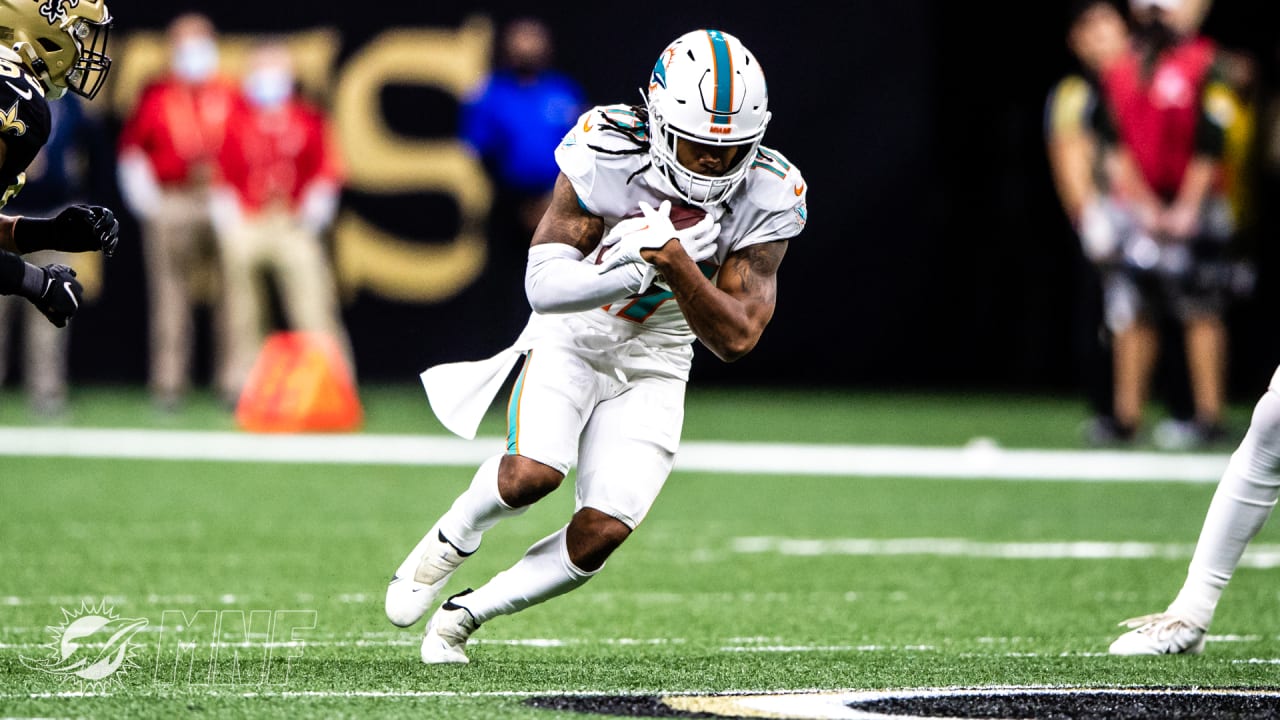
[{"x": 706, "y": 88}]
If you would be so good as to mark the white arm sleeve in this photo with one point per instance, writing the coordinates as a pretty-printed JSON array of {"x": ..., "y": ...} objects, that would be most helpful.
[{"x": 557, "y": 281}]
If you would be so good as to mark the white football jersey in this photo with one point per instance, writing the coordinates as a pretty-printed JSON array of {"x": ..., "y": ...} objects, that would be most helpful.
[{"x": 612, "y": 175}]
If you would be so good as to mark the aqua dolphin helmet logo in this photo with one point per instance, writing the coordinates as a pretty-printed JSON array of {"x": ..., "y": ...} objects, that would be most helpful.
[{"x": 92, "y": 644}]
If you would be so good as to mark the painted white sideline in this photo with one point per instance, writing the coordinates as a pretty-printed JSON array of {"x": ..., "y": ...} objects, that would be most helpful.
[
  {"x": 1256, "y": 556},
  {"x": 978, "y": 461}
]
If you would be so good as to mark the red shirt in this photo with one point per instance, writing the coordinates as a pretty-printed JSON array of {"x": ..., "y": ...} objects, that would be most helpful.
[
  {"x": 1157, "y": 112},
  {"x": 180, "y": 127},
  {"x": 271, "y": 156}
]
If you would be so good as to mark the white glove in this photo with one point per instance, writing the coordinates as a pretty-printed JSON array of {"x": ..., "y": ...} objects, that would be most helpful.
[
  {"x": 654, "y": 231},
  {"x": 699, "y": 240},
  {"x": 619, "y": 231}
]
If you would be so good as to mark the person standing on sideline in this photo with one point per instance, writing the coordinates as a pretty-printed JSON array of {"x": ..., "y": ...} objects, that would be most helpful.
[
  {"x": 276, "y": 194},
  {"x": 1170, "y": 145},
  {"x": 513, "y": 122},
  {"x": 168, "y": 149},
  {"x": 619, "y": 295},
  {"x": 1097, "y": 34}
]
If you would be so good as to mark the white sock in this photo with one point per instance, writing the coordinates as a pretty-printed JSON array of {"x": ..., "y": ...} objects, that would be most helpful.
[
  {"x": 1241, "y": 505},
  {"x": 477, "y": 509},
  {"x": 544, "y": 572}
]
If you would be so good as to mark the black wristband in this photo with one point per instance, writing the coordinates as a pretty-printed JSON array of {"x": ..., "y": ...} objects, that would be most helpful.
[
  {"x": 19, "y": 277},
  {"x": 32, "y": 234}
]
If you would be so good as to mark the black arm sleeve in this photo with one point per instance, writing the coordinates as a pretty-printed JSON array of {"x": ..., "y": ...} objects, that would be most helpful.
[{"x": 13, "y": 274}]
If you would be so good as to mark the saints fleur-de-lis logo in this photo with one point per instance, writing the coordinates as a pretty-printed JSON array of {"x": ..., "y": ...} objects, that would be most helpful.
[
  {"x": 52, "y": 9},
  {"x": 9, "y": 122}
]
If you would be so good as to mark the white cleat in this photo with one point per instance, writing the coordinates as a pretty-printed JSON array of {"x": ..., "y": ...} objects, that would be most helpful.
[
  {"x": 420, "y": 578},
  {"x": 447, "y": 634},
  {"x": 1159, "y": 634}
]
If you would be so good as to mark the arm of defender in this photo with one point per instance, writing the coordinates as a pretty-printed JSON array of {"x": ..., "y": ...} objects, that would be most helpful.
[
  {"x": 556, "y": 280},
  {"x": 6, "y": 221},
  {"x": 53, "y": 289},
  {"x": 729, "y": 316},
  {"x": 79, "y": 228}
]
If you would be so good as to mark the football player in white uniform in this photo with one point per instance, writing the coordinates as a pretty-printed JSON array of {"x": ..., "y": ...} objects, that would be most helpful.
[
  {"x": 50, "y": 47},
  {"x": 618, "y": 301},
  {"x": 1246, "y": 494}
]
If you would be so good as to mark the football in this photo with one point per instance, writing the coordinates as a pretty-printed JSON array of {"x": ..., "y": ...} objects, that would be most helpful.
[{"x": 682, "y": 216}]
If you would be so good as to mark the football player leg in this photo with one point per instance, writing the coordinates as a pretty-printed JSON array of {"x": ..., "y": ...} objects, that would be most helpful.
[
  {"x": 628, "y": 449},
  {"x": 1240, "y": 507},
  {"x": 549, "y": 404}
]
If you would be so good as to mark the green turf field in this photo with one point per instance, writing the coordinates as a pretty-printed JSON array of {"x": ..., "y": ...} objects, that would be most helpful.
[{"x": 736, "y": 583}]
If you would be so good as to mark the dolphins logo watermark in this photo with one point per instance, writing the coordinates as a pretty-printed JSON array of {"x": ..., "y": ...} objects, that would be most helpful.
[{"x": 92, "y": 646}]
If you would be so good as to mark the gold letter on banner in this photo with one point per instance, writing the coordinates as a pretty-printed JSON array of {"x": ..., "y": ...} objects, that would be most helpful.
[{"x": 381, "y": 161}]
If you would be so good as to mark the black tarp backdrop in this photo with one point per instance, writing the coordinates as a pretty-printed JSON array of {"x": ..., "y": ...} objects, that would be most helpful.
[{"x": 936, "y": 256}]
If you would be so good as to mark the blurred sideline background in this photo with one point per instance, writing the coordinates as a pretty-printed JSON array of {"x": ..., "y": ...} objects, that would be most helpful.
[{"x": 937, "y": 257}]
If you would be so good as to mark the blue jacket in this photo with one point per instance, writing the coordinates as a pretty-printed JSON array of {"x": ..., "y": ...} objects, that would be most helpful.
[{"x": 515, "y": 126}]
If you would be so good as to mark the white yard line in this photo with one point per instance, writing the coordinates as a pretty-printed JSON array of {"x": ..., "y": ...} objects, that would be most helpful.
[
  {"x": 1256, "y": 556},
  {"x": 412, "y": 641},
  {"x": 206, "y": 691},
  {"x": 764, "y": 645},
  {"x": 979, "y": 461},
  {"x": 818, "y": 704}
]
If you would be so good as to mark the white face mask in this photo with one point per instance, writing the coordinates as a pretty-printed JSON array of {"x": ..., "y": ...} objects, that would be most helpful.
[
  {"x": 195, "y": 59},
  {"x": 269, "y": 87}
]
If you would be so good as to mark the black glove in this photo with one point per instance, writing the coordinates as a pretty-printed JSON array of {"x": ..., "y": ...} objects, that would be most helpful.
[
  {"x": 79, "y": 228},
  {"x": 59, "y": 294},
  {"x": 85, "y": 228}
]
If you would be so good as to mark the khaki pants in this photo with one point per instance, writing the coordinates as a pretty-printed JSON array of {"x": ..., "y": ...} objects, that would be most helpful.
[
  {"x": 178, "y": 252},
  {"x": 276, "y": 245},
  {"x": 44, "y": 356}
]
